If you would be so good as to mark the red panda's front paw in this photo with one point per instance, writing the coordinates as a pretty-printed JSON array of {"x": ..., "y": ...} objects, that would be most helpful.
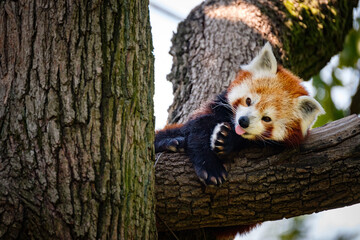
[
  {"x": 218, "y": 141},
  {"x": 211, "y": 172},
  {"x": 176, "y": 144}
]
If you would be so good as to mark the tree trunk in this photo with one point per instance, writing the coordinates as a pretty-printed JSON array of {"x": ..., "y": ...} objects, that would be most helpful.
[
  {"x": 76, "y": 120},
  {"x": 264, "y": 183},
  {"x": 219, "y": 36}
]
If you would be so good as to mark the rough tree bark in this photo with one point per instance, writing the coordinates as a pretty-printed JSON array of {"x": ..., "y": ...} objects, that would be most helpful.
[
  {"x": 76, "y": 120},
  {"x": 264, "y": 183},
  {"x": 208, "y": 49},
  {"x": 218, "y": 36}
]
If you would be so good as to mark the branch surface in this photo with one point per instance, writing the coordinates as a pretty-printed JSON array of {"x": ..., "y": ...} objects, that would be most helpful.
[{"x": 266, "y": 183}]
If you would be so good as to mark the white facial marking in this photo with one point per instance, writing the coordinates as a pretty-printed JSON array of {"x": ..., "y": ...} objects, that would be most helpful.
[
  {"x": 238, "y": 92},
  {"x": 279, "y": 130}
]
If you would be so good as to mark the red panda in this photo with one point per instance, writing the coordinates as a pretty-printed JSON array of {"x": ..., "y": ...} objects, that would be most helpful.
[{"x": 264, "y": 103}]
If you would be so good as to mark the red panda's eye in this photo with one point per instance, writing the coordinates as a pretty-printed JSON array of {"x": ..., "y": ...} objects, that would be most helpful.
[
  {"x": 266, "y": 119},
  {"x": 248, "y": 101}
]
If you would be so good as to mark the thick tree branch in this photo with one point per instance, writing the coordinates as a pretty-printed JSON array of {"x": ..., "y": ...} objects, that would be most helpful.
[{"x": 265, "y": 183}]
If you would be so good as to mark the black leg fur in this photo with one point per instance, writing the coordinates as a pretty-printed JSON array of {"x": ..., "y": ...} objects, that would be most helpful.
[
  {"x": 208, "y": 166},
  {"x": 195, "y": 138}
]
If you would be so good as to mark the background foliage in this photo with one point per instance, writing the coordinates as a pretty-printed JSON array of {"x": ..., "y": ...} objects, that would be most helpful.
[{"x": 338, "y": 90}]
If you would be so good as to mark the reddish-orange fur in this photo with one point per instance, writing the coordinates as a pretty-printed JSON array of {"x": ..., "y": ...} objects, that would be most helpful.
[
  {"x": 231, "y": 231},
  {"x": 295, "y": 136},
  {"x": 268, "y": 131},
  {"x": 170, "y": 126},
  {"x": 242, "y": 74}
]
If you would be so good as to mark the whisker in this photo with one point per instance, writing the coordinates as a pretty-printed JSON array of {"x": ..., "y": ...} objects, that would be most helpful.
[
  {"x": 262, "y": 139},
  {"x": 227, "y": 106},
  {"x": 225, "y": 102},
  {"x": 268, "y": 141}
]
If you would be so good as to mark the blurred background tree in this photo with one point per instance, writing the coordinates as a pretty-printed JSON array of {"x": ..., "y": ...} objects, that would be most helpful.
[
  {"x": 337, "y": 84},
  {"x": 296, "y": 231}
]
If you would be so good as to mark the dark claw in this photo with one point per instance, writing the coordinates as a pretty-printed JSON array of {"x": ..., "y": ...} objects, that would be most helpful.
[
  {"x": 225, "y": 167},
  {"x": 176, "y": 144},
  {"x": 224, "y": 133},
  {"x": 203, "y": 175},
  {"x": 220, "y": 147},
  {"x": 173, "y": 145},
  {"x": 220, "y": 140},
  {"x": 213, "y": 180},
  {"x": 224, "y": 176}
]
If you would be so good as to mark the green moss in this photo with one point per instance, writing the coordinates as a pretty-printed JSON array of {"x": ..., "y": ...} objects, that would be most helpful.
[
  {"x": 308, "y": 31},
  {"x": 126, "y": 106}
]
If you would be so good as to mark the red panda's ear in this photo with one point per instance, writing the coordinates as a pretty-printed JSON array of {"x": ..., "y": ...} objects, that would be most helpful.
[
  {"x": 264, "y": 62},
  {"x": 309, "y": 110}
]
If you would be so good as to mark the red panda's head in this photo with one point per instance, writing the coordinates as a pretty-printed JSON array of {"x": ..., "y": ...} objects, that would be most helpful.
[{"x": 270, "y": 103}]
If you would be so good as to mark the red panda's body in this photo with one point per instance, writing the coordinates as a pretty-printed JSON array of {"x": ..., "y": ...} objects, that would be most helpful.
[{"x": 264, "y": 103}]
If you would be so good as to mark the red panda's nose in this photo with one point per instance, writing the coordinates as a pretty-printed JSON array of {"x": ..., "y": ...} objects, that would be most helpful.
[{"x": 244, "y": 121}]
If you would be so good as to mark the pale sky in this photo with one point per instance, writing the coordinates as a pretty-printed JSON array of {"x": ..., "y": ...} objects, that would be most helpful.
[{"x": 322, "y": 226}]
